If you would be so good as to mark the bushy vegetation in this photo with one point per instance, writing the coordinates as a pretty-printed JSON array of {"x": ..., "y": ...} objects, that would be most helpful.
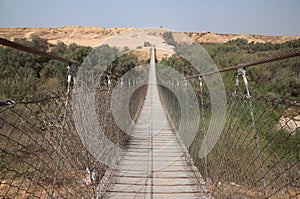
[
  {"x": 253, "y": 47},
  {"x": 25, "y": 76},
  {"x": 279, "y": 79}
]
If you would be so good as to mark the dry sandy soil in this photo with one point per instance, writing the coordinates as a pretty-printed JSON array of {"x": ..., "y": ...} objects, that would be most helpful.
[
  {"x": 128, "y": 37},
  {"x": 95, "y": 36},
  {"x": 84, "y": 36}
]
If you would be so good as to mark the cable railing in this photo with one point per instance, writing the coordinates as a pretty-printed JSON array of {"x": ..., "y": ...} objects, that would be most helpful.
[
  {"x": 257, "y": 154},
  {"x": 41, "y": 152},
  {"x": 283, "y": 56}
]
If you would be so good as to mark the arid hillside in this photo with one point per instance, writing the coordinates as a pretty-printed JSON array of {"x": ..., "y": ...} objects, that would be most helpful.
[
  {"x": 95, "y": 36},
  {"x": 206, "y": 37},
  {"x": 84, "y": 36}
]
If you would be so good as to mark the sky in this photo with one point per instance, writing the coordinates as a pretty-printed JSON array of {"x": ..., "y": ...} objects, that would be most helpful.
[{"x": 266, "y": 17}]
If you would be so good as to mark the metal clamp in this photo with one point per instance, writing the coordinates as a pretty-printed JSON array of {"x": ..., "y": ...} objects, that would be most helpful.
[
  {"x": 242, "y": 73},
  {"x": 71, "y": 73},
  {"x": 200, "y": 83}
]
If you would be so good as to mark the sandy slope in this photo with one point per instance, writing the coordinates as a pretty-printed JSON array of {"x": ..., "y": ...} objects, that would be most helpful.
[{"x": 95, "y": 36}]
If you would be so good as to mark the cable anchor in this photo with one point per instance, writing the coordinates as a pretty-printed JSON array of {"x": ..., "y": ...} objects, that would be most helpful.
[
  {"x": 242, "y": 73},
  {"x": 71, "y": 73}
]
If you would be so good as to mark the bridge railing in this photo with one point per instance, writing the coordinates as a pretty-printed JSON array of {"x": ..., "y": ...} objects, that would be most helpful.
[
  {"x": 30, "y": 149},
  {"x": 257, "y": 154},
  {"x": 253, "y": 157},
  {"x": 41, "y": 153}
]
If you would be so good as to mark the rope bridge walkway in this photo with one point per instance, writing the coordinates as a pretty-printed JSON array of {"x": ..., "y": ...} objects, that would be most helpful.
[
  {"x": 154, "y": 165},
  {"x": 256, "y": 156}
]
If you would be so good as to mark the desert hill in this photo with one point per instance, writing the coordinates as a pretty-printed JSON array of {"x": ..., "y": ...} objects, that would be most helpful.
[
  {"x": 94, "y": 36},
  {"x": 206, "y": 37},
  {"x": 84, "y": 36}
]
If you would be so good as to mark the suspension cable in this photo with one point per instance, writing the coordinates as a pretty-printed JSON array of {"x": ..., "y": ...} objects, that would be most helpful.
[
  {"x": 203, "y": 121},
  {"x": 242, "y": 73},
  {"x": 70, "y": 70},
  {"x": 35, "y": 51},
  {"x": 282, "y": 56}
]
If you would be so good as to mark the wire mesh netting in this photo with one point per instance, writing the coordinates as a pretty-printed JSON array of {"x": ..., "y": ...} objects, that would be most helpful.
[
  {"x": 30, "y": 141},
  {"x": 257, "y": 158},
  {"x": 257, "y": 153},
  {"x": 34, "y": 163}
]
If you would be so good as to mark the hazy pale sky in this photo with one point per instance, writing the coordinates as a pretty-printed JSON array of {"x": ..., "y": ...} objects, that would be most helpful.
[{"x": 268, "y": 17}]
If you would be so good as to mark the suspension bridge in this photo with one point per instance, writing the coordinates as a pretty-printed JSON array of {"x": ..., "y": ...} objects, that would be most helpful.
[
  {"x": 42, "y": 155},
  {"x": 154, "y": 165}
]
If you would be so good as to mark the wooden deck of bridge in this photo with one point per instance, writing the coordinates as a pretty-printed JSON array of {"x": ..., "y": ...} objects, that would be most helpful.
[{"x": 155, "y": 164}]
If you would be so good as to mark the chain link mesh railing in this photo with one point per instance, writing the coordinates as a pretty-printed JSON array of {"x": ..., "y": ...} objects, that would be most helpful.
[
  {"x": 30, "y": 148},
  {"x": 258, "y": 152},
  {"x": 41, "y": 153}
]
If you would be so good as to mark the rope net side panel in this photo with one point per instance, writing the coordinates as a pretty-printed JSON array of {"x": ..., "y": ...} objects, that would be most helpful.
[
  {"x": 30, "y": 135},
  {"x": 262, "y": 164},
  {"x": 29, "y": 143},
  {"x": 255, "y": 157}
]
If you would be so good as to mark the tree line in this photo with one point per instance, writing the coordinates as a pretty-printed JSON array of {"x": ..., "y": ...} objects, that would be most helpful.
[
  {"x": 26, "y": 76},
  {"x": 279, "y": 79}
]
